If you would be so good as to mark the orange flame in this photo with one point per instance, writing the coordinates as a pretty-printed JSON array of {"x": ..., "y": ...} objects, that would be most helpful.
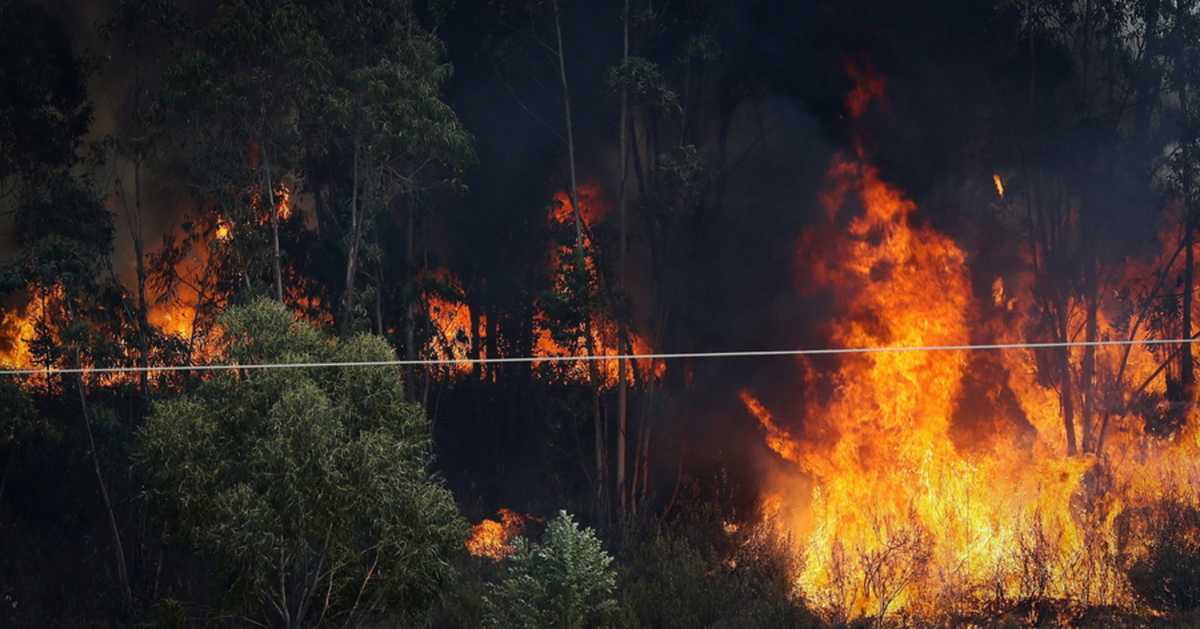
[
  {"x": 284, "y": 206},
  {"x": 493, "y": 538},
  {"x": 591, "y": 204},
  {"x": 894, "y": 508},
  {"x": 868, "y": 87},
  {"x": 453, "y": 333},
  {"x": 224, "y": 230},
  {"x": 19, "y": 328}
]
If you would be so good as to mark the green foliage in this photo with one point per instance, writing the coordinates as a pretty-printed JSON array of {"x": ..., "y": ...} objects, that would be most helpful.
[
  {"x": 645, "y": 85},
  {"x": 66, "y": 237},
  {"x": 18, "y": 418},
  {"x": 311, "y": 485},
  {"x": 565, "y": 582},
  {"x": 695, "y": 574},
  {"x": 67, "y": 233},
  {"x": 45, "y": 110}
]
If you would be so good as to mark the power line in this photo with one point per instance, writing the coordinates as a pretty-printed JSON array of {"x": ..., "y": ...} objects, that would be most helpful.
[{"x": 429, "y": 362}]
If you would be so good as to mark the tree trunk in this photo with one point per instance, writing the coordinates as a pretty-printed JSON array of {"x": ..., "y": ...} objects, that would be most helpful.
[
  {"x": 1066, "y": 393},
  {"x": 622, "y": 314},
  {"x": 473, "y": 349},
  {"x": 490, "y": 346},
  {"x": 412, "y": 299},
  {"x": 118, "y": 548},
  {"x": 1186, "y": 375},
  {"x": 140, "y": 266},
  {"x": 580, "y": 258},
  {"x": 347, "y": 317},
  {"x": 1182, "y": 17},
  {"x": 1087, "y": 383},
  {"x": 270, "y": 201},
  {"x": 378, "y": 302}
]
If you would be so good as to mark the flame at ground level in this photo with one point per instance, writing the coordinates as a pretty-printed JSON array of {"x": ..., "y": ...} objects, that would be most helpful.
[
  {"x": 904, "y": 491},
  {"x": 494, "y": 538}
]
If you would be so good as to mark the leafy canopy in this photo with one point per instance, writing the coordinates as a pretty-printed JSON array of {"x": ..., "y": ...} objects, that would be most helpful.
[{"x": 311, "y": 485}]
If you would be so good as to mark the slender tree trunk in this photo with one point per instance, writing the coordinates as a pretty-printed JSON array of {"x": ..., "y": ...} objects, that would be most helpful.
[
  {"x": 490, "y": 346},
  {"x": 622, "y": 314},
  {"x": 1087, "y": 383},
  {"x": 352, "y": 254},
  {"x": 1119, "y": 385},
  {"x": 1186, "y": 375},
  {"x": 1066, "y": 393},
  {"x": 118, "y": 547},
  {"x": 270, "y": 201},
  {"x": 473, "y": 350},
  {"x": 140, "y": 266},
  {"x": 412, "y": 298},
  {"x": 378, "y": 302},
  {"x": 1182, "y": 11},
  {"x": 566, "y": 95},
  {"x": 581, "y": 259}
]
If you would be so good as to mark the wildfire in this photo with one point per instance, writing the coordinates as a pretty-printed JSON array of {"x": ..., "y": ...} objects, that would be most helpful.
[
  {"x": 591, "y": 204},
  {"x": 283, "y": 206},
  {"x": 999, "y": 183},
  {"x": 868, "y": 87},
  {"x": 19, "y": 328},
  {"x": 603, "y": 339},
  {"x": 453, "y": 332},
  {"x": 493, "y": 538},
  {"x": 897, "y": 498}
]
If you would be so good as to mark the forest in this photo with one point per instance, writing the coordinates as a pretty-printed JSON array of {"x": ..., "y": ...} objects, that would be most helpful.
[{"x": 554, "y": 314}]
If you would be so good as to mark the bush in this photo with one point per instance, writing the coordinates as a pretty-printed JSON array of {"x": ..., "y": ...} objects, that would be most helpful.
[
  {"x": 309, "y": 486},
  {"x": 565, "y": 582},
  {"x": 695, "y": 576}
]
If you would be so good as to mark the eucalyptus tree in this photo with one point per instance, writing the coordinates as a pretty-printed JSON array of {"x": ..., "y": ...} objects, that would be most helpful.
[
  {"x": 230, "y": 100},
  {"x": 46, "y": 110},
  {"x": 312, "y": 486},
  {"x": 379, "y": 136},
  {"x": 67, "y": 236}
]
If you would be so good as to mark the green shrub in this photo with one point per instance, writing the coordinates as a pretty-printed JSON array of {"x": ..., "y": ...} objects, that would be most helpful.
[
  {"x": 311, "y": 487},
  {"x": 564, "y": 582},
  {"x": 692, "y": 576}
]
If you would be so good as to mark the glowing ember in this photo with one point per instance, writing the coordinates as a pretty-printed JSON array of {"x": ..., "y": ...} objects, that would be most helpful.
[
  {"x": 591, "y": 204},
  {"x": 493, "y": 538},
  {"x": 284, "y": 206},
  {"x": 224, "y": 230}
]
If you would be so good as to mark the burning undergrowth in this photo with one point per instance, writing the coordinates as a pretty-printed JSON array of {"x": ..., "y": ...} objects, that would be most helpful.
[{"x": 930, "y": 483}]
